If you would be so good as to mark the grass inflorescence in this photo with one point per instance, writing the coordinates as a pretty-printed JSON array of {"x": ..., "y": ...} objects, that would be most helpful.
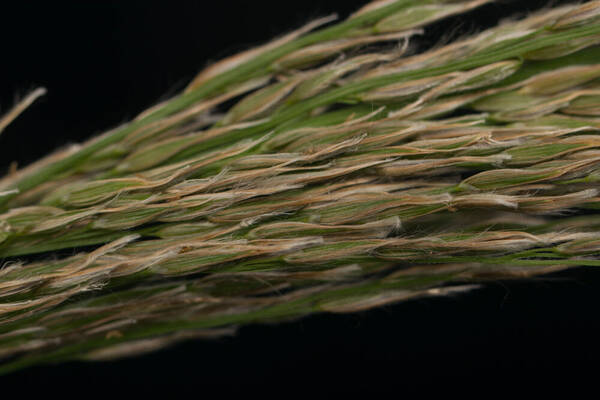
[{"x": 348, "y": 173}]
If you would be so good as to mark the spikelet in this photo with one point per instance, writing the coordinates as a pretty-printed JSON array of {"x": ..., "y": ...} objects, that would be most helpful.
[{"x": 349, "y": 173}]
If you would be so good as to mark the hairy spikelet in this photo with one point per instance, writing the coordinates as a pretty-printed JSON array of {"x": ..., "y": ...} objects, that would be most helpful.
[{"x": 348, "y": 174}]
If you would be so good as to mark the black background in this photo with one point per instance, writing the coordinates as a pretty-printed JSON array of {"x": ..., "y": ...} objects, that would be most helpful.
[{"x": 105, "y": 61}]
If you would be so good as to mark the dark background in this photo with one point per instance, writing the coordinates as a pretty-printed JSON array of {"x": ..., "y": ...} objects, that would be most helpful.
[{"x": 105, "y": 61}]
